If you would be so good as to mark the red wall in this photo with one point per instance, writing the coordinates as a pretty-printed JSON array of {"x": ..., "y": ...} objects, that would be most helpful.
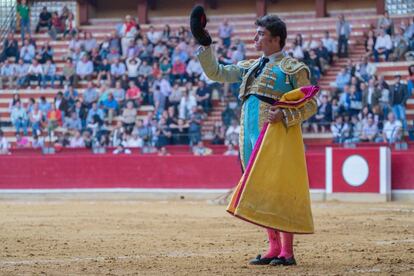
[{"x": 85, "y": 170}]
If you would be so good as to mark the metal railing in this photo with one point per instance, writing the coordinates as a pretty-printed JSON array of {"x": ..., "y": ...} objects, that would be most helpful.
[{"x": 7, "y": 18}]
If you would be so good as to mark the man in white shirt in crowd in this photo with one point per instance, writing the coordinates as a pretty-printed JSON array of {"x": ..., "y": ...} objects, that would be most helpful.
[
  {"x": 84, "y": 69},
  {"x": 153, "y": 36},
  {"x": 383, "y": 46},
  {"x": 329, "y": 44},
  {"x": 194, "y": 69},
  {"x": 392, "y": 130},
  {"x": 35, "y": 72}
]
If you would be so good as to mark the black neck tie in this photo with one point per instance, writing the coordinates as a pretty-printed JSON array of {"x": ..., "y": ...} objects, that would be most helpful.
[{"x": 262, "y": 64}]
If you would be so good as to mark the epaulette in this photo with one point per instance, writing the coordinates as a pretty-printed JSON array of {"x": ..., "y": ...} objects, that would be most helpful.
[
  {"x": 291, "y": 66},
  {"x": 246, "y": 64}
]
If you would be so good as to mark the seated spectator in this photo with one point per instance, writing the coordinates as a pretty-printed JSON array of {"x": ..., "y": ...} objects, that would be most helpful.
[
  {"x": 163, "y": 133},
  {"x": 355, "y": 130},
  {"x": 323, "y": 116},
  {"x": 54, "y": 119},
  {"x": 49, "y": 73},
  {"x": 163, "y": 152},
  {"x": 21, "y": 71},
  {"x": 330, "y": 44},
  {"x": 46, "y": 52},
  {"x": 160, "y": 50},
  {"x": 392, "y": 131},
  {"x": 355, "y": 100},
  {"x": 76, "y": 141},
  {"x": 175, "y": 97},
  {"x": 35, "y": 72},
  {"x": 342, "y": 79},
  {"x": 180, "y": 132},
  {"x": 165, "y": 67},
  {"x": 383, "y": 46},
  {"x": 218, "y": 134},
  {"x": 89, "y": 42},
  {"x": 340, "y": 130},
  {"x": 71, "y": 95},
  {"x": 19, "y": 118},
  {"x": 118, "y": 70},
  {"x": 75, "y": 42},
  {"x": 365, "y": 70},
  {"x": 144, "y": 132},
  {"x": 38, "y": 142},
  {"x": 231, "y": 151},
  {"x": 45, "y": 20},
  {"x": 57, "y": 26},
  {"x": 232, "y": 133},
  {"x": 35, "y": 119},
  {"x": 129, "y": 116},
  {"x": 27, "y": 52},
  {"x": 134, "y": 94},
  {"x": 145, "y": 69},
  {"x": 61, "y": 104},
  {"x": 369, "y": 130},
  {"x": 104, "y": 71},
  {"x": 297, "y": 51},
  {"x": 194, "y": 122},
  {"x": 110, "y": 106},
  {"x": 119, "y": 93},
  {"x": 194, "y": 69},
  {"x": 201, "y": 150},
  {"x": 203, "y": 96},
  {"x": 70, "y": 26},
  {"x": 73, "y": 122},
  {"x": 7, "y": 72},
  {"x": 134, "y": 141},
  {"x": 68, "y": 73},
  {"x": 121, "y": 149},
  {"x": 323, "y": 56},
  {"x": 132, "y": 65},
  {"x": 153, "y": 36},
  {"x": 369, "y": 43},
  {"x": 44, "y": 106},
  {"x": 84, "y": 69},
  {"x": 188, "y": 101},
  {"x": 95, "y": 110},
  {"x": 81, "y": 112},
  {"x": 398, "y": 100},
  {"x": 178, "y": 71},
  {"x": 10, "y": 48},
  {"x": 372, "y": 95},
  {"x": 400, "y": 45}
]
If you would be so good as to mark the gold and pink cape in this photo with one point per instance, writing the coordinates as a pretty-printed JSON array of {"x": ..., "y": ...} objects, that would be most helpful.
[{"x": 274, "y": 190}]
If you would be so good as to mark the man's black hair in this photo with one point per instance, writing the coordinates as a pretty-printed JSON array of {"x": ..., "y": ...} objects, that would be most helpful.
[{"x": 275, "y": 26}]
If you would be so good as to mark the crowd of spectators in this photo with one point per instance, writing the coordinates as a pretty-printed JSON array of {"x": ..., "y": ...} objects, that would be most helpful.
[
  {"x": 142, "y": 89},
  {"x": 132, "y": 70}
]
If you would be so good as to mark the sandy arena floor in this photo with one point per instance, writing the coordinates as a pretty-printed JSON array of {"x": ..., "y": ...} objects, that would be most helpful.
[{"x": 70, "y": 237}]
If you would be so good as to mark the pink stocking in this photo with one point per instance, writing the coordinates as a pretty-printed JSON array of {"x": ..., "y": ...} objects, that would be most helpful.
[
  {"x": 274, "y": 244},
  {"x": 287, "y": 245}
]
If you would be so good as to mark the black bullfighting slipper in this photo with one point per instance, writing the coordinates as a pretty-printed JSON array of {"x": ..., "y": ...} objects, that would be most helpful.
[
  {"x": 261, "y": 261},
  {"x": 283, "y": 261}
]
